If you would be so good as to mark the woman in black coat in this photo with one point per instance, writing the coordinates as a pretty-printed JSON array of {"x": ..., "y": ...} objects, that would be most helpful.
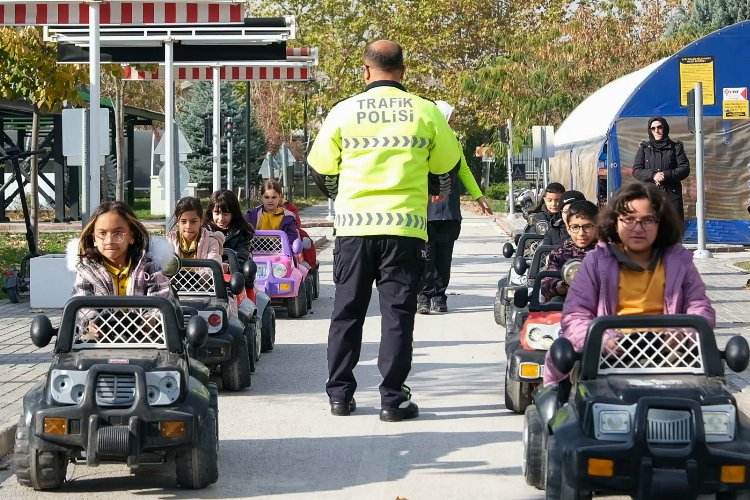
[{"x": 663, "y": 161}]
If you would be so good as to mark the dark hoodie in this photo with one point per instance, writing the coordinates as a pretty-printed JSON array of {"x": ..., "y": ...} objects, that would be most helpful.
[{"x": 666, "y": 156}]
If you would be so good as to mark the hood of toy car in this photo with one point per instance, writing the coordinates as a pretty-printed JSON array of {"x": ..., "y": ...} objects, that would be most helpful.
[
  {"x": 628, "y": 389},
  {"x": 148, "y": 359}
]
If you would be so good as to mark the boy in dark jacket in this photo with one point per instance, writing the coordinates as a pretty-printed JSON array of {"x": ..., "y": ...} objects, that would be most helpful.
[
  {"x": 581, "y": 221},
  {"x": 558, "y": 230}
]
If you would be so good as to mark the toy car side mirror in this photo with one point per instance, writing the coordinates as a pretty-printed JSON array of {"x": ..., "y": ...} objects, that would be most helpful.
[
  {"x": 249, "y": 270},
  {"x": 520, "y": 266},
  {"x": 508, "y": 250},
  {"x": 196, "y": 332},
  {"x": 42, "y": 331},
  {"x": 737, "y": 354},
  {"x": 521, "y": 297},
  {"x": 517, "y": 238},
  {"x": 297, "y": 246},
  {"x": 306, "y": 243},
  {"x": 563, "y": 355},
  {"x": 237, "y": 283}
]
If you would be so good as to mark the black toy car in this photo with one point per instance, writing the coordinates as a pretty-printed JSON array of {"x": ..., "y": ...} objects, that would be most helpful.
[
  {"x": 649, "y": 416},
  {"x": 200, "y": 285},
  {"x": 506, "y": 286},
  {"x": 120, "y": 389},
  {"x": 528, "y": 270}
]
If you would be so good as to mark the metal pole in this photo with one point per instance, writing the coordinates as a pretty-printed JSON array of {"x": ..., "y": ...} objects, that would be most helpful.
[
  {"x": 217, "y": 129},
  {"x": 94, "y": 171},
  {"x": 169, "y": 167},
  {"x": 85, "y": 168},
  {"x": 247, "y": 142},
  {"x": 287, "y": 188},
  {"x": 511, "y": 198},
  {"x": 486, "y": 174},
  {"x": 330, "y": 217},
  {"x": 305, "y": 171},
  {"x": 229, "y": 164},
  {"x": 544, "y": 156},
  {"x": 700, "y": 214}
]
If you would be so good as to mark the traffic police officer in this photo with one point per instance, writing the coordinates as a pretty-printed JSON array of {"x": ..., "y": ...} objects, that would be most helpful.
[{"x": 373, "y": 155}]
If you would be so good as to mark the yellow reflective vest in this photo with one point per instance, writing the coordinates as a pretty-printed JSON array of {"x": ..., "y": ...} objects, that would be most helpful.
[{"x": 382, "y": 144}]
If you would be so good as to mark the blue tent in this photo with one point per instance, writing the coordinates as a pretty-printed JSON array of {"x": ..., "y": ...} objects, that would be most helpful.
[{"x": 596, "y": 144}]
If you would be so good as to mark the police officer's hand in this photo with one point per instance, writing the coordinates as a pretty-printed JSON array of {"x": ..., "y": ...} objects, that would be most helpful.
[{"x": 486, "y": 209}]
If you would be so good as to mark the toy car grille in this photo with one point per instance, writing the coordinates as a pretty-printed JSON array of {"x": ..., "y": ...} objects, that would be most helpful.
[
  {"x": 262, "y": 271},
  {"x": 194, "y": 281},
  {"x": 115, "y": 390},
  {"x": 669, "y": 426},
  {"x": 266, "y": 245},
  {"x": 653, "y": 351},
  {"x": 544, "y": 261},
  {"x": 114, "y": 327},
  {"x": 530, "y": 247}
]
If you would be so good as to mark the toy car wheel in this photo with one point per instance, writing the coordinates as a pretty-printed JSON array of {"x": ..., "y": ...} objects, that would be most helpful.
[
  {"x": 42, "y": 470},
  {"x": 250, "y": 339},
  {"x": 316, "y": 283},
  {"x": 198, "y": 466},
  {"x": 268, "y": 329},
  {"x": 235, "y": 376},
  {"x": 297, "y": 306},
  {"x": 557, "y": 487},
  {"x": 213, "y": 392},
  {"x": 533, "y": 448},
  {"x": 517, "y": 394},
  {"x": 499, "y": 309},
  {"x": 310, "y": 291}
]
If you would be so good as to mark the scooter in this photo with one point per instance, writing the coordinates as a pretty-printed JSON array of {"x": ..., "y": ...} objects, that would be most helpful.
[{"x": 16, "y": 281}]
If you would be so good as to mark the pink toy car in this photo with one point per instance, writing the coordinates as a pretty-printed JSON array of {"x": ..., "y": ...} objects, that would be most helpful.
[{"x": 279, "y": 272}]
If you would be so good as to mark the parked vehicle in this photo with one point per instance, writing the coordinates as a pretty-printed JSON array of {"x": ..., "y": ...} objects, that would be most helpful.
[
  {"x": 120, "y": 389},
  {"x": 200, "y": 285},
  {"x": 651, "y": 417},
  {"x": 280, "y": 273}
]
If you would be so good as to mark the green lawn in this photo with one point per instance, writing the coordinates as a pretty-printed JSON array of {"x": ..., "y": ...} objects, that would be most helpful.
[{"x": 743, "y": 265}]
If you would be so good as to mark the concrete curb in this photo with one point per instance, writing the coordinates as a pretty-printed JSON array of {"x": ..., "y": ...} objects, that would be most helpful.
[{"x": 8, "y": 432}]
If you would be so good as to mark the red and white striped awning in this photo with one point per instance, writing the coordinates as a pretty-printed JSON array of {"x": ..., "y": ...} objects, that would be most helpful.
[
  {"x": 23, "y": 13},
  {"x": 227, "y": 73}
]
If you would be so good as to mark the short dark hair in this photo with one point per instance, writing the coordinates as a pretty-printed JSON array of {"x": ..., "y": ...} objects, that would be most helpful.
[
  {"x": 583, "y": 209},
  {"x": 669, "y": 231},
  {"x": 552, "y": 187},
  {"x": 383, "y": 59}
]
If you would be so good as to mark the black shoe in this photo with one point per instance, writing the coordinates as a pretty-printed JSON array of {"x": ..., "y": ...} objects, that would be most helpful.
[
  {"x": 404, "y": 411},
  {"x": 440, "y": 305},
  {"x": 423, "y": 308},
  {"x": 342, "y": 409}
]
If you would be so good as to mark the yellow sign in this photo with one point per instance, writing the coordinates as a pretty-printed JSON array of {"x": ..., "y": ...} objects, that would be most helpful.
[
  {"x": 693, "y": 70},
  {"x": 735, "y": 110}
]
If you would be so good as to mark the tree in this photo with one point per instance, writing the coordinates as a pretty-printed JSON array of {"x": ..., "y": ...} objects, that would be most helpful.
[
  {"x": 198, "y": 105},
  {"x": 30, "y": 72},
  {"x": 710, "y": 15}
]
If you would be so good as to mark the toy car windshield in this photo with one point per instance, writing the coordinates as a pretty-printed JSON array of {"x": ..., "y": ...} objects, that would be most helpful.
[
  {"x": 122, "y": 327},
  {"x": 199, "y": 277}
]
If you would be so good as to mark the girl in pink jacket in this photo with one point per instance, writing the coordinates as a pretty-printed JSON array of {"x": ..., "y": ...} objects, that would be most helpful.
[
  {"x": 638, "y": 267},
  {"x": 190, "y": 239}
]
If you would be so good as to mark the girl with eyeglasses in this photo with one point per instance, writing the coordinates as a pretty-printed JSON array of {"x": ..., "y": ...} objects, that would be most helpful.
[
  {"x": 662, "y": 161},
  {"x": 638, "y": 267}
]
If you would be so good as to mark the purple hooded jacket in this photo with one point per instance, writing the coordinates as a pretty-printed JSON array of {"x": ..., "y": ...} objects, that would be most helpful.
[
  {"x": 593, "y": 293},
  {"x": 288, "y": 222}
]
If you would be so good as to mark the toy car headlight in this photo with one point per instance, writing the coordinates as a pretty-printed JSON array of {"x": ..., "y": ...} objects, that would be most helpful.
[
  {"x": 535, "y": 334},
  {"x": 719, "y": 423},
  {"x": 163, "y": 387},
  {"x": 614, "y": 422},
  {"x": 541, "y": 227},
  {"x": 279, "y": 270},
  {"x": 540, "y": 339},
  {"x": 569, "y": 270},
  {"x": 715, "y": 422},
  {"x": 67, "y": 386}
]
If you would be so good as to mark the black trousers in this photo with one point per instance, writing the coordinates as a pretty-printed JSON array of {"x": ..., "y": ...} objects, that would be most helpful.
[
  {"x": 441, "y": 237},
  {"x": 395, "y": 264}
]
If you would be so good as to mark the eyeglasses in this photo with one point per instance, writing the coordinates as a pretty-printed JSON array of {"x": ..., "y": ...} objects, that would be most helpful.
[
  {"x": 115, "y": 237},
  {"x": 658, "y": 127},
  {"x": 576, "y": 228},
  {"x": 647, "y": 223}
]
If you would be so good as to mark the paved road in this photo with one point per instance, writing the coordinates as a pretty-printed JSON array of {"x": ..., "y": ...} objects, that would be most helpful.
[{"x": 278, "y": 438}]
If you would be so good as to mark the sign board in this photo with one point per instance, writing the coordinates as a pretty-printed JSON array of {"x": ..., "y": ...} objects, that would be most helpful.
[
  {"x": 483, "y": 152},
  {"x": 270, "y": 168},
  {"x": 72, "y": 134},
  {"x": 519, "y": 171},
  {"x": 543, "y": 138},
  {"x": 735, "y": 104},
  {"x": 693, "y": 70},
  {"x": 183, "y": 147}
]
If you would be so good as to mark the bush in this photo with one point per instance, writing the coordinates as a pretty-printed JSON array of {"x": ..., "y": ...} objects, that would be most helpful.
[{"x": 498, "y": 191}]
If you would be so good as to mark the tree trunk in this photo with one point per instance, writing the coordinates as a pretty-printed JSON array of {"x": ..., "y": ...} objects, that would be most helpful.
[
  {"x": 119, "y": 109},
  {"x": 34, "y": 176}
]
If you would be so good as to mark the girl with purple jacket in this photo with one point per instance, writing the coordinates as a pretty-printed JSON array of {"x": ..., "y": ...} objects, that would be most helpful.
[
  {"x": 638, "y": 267},
  {"x": 271, "y": 215}
]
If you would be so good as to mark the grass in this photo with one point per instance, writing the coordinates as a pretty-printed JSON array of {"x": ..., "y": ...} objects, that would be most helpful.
[
  {"x": 142, "y": 206},
  {"x": 745, "y": 264}
]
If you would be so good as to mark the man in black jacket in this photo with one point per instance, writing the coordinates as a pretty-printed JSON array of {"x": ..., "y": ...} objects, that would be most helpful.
[{"x": 663, "y": 161}]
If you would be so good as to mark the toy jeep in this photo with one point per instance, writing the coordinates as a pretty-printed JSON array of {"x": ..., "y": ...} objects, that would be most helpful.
[
  {"x": 261, "y": 312},
  {"x": 200, "y": 284},
  {"x": 120, "y": 389},
  {"x": 525, "y": 246},
  {"x": 647, "y": 416},
  {"x": 280, "y": 273}
]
